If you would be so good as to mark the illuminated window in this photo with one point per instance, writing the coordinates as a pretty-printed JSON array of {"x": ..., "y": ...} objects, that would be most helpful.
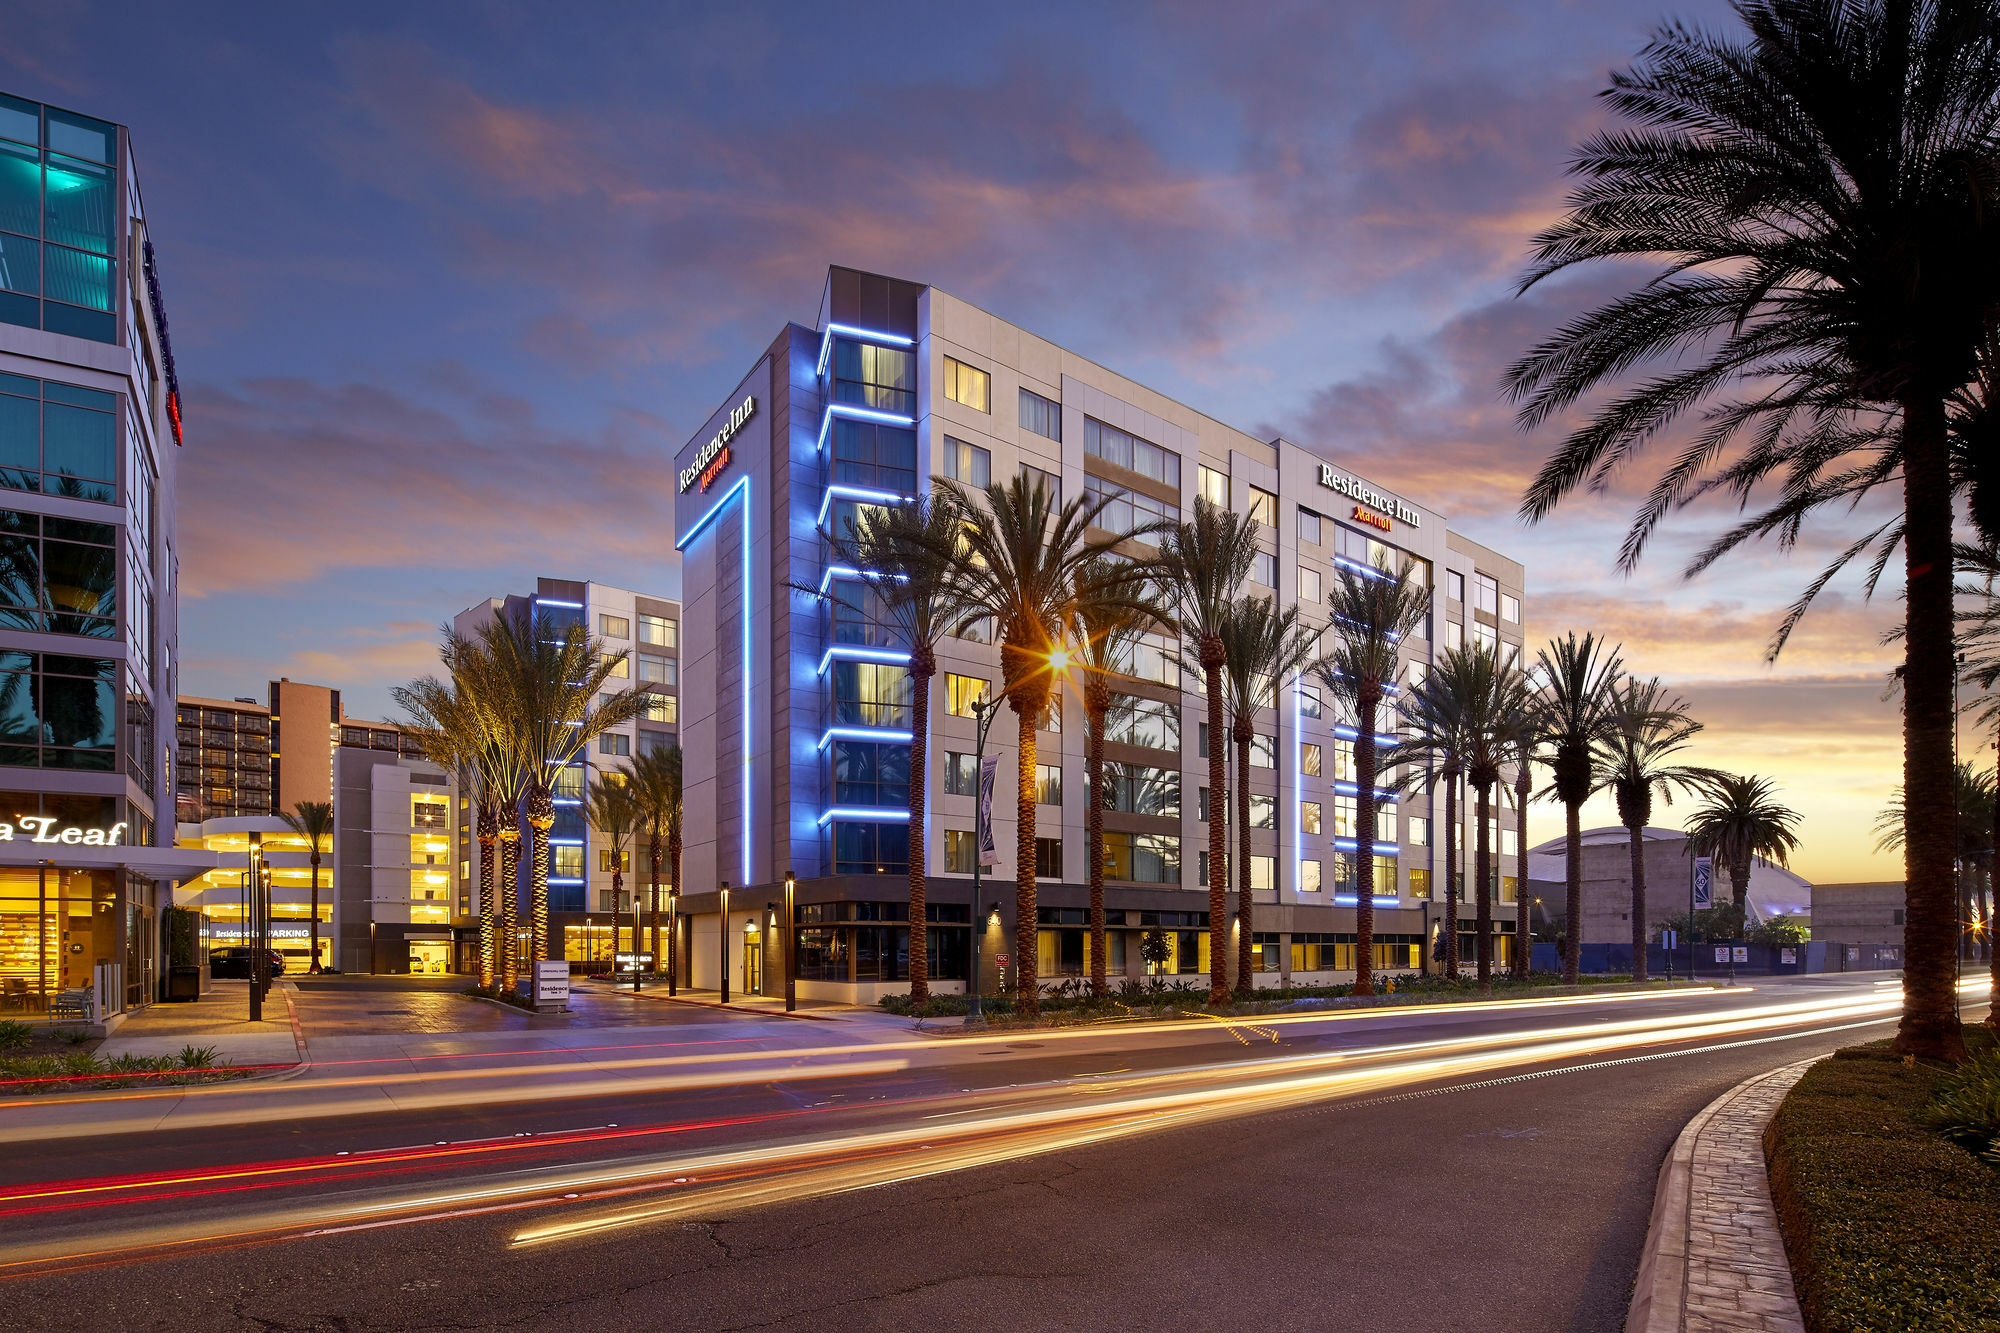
[
  {"x": 610, "y": 862},
  {"x": 1048, "y": 784},
  {"x": 614, "y": 627},
  {"x": 1263, "y": 811},
  {"x": 1309, "y": 816},
  {"x": 961, "y": 692},
  {"x": 1310, "y": 591},
  {"x": 959, "y": 851},
  {"x": 1308, "y": 878},
  {"x": 620, "y": 664},
  {"x": 1309, "y": 759},
  {"x": 1263, "y": 873},
  {"x": 1212, "y": 486},
  {"x": 663, "y": 707},
  {"x": 1420, "y": 883},
  {"x": 658, "y": 670},
  {"x": 1263, "y": 507},
  {"x": 659, "y": 631},
  {"x": 1264, "y": 569},
  {"x": 968, "y": 385},
  {"x": 967, "y": 462}
]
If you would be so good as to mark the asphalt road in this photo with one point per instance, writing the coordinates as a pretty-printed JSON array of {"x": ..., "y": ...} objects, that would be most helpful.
[{"x": 1515, "y": 1199}]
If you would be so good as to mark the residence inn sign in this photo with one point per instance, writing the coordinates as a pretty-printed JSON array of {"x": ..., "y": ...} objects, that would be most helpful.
[{"x": 1367, "y": 497}]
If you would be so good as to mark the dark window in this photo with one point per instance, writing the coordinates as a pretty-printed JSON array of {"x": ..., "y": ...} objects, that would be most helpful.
[
  {"x": 1048, "y": 858},
  {"x": 58, "y": 575},
  {"x": 871, "y": 773},
  {"x": 870, "y": 849},
  {"x": 967, "y": 462},
  {"x": 1051, "y": 484},
  {"x": 1041, "y": 415},
  {"x": 66, "y": 444},
  {"x": 1129, "y": 451},
  {"x": 868, "y": 453},
  {"x": 57, "y": 711},
  {"x": 1142, "y": 790},
  {"x": 961, "y": 775},
  {"x": 1126, "y": 511}
]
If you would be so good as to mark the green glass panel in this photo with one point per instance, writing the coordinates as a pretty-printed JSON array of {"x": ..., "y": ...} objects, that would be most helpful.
[
  {"x": 20, "y": 120},
  {"x": 20, "y": 190},
  {"x": 20, "y": 267},
  {"x": 20, "y": 433},
  {"x": 78, "y": 204},
  {"x": 78, "y": 278}
]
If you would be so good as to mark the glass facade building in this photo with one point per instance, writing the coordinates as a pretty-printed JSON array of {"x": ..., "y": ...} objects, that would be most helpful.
[{"x": 90, "y": 435}]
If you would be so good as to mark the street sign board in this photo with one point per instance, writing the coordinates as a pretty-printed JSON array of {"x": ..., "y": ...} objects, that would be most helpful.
[
  {"x": 1000, "y": 960},
  {"x": 625, "y": 960},
  {"x": 1721, "y": 953},
  {"x": 551, "y": 981},
  {"x": 1742, "y": 953},
  {"x": 1788, "y": 956},
  {"x": 1669, "y": 939}
]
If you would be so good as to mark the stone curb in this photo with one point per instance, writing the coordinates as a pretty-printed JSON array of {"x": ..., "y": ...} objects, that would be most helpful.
[{"x": 1714, "y": 1259}]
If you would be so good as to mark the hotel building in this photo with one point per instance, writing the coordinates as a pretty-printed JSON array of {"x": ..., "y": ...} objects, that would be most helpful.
[
  {"x": 588, "y": 919},
  {"x": 797, "y": 721},
  {"x": 90, "y": 437},
  {"x": 386, "y": 900}
]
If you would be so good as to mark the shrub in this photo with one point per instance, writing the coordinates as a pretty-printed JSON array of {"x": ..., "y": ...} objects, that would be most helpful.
[
  {"x": 14, "y": 1036},
  {"x": 197, "y": 1057},
  {"x": 1966, "y": 1107}
]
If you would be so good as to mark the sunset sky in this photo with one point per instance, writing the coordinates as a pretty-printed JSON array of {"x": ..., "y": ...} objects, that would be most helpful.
[{"x": 449, "y": 284}]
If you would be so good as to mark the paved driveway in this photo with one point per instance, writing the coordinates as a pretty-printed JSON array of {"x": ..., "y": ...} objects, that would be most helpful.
[{"x": 347, "y": 1006}]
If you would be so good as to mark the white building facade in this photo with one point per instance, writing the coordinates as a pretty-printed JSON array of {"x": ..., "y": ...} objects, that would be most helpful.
[{"x": 797, "y": 725}]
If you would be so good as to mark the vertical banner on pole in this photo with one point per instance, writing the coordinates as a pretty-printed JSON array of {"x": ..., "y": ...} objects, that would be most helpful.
[
  {"x": 1704, "y": 883},
  {"x": 989, "y": 769}
]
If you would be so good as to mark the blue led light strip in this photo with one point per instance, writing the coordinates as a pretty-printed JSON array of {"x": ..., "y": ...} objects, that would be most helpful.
[
  {"x": 866, "y": 335},
  {"x": 742, "y": 488},
  {"x": 870, "y": 813},
  {"x": 886, "y": 656},
  {"x": 863, "y": 734},
  {"x": 551, "y": 601},
  {"x": 856, "y": 414},
  {"x": 1381, "y": 848},
  {"x": 850, "y": 572},
  {"x": 855, "y": 493}
]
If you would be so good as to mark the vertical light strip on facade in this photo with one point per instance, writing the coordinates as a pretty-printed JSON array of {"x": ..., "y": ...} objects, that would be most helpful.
[{"x": 742, "y": 487}]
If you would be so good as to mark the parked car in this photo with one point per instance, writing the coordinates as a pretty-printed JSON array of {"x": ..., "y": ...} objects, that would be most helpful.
[{"x": 235, "y": 962}]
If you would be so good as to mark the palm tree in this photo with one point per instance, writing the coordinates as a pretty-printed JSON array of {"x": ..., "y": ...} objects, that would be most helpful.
[
  {"x": 1741, "y": 821},
  {"x": 1819, "y": 201},
  {"x": 614, "y": 810},
  {"x": 1471, "y": 711},
  {"x": 1263, "y": 647},
  {"x": 313, "y": 821},
  {"x": 550, "y": 685},
  {"x": 1434, "y": 747},
  {"x": 1649, "y": 727},
  {"x": 466, "y": 734},
  {"x": 1102, "y": 631},
  {"x": 1972, "y": 802},
  {"x": 904, "y": 560},
  {"x": 1205, "y": 560},
  {"x": 1578, "y": 681},
  {"x": 656, "y": 786},
  {"x": 1372, "y": 614},
  {"x": 1025, "y": 563}
]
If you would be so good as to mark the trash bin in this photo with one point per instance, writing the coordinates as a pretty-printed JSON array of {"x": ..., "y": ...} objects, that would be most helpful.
[{"x": 184, "y": 983}]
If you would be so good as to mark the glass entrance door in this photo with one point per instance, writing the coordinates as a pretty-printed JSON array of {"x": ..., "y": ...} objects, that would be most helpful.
[
  {"x": 430, "y": 957},
  {"x": 753, "y": 963}
]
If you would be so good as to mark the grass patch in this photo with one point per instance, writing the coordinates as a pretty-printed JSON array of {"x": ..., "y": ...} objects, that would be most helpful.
[
  {"x": 1069, "y": 1003},
  {"x": 1889, "y": 1224},
  {"x": 85, "y": 1071}
]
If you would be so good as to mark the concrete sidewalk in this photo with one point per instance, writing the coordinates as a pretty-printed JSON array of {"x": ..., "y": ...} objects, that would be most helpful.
[{"x": 220, "y": 1018}]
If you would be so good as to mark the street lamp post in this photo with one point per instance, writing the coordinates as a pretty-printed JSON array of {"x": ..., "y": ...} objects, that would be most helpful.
[
  {"x": 636, "y": 987},
  {"x": 791, "y": 938},
  {"x": 673, "y": 934},
  {"x": 983, "y": 713},
  {"x": 722, "y": 944},
  {"x": 256, "y": 923}
]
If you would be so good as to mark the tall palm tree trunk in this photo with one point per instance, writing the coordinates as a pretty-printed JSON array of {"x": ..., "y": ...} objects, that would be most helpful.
[
  {"x": 1026, "y": 986},
  {"x": 1094, "y": 834},
  {"x": 539, "y": 813},
  {"x": 653, "y": 901},
  {"x": 1218, "y": 776},
  {"x": 1739, "y": 884},
  {"x": 1243, "y": 913},
  {"x": 1930, "y": 1023},
  {"x": 509, "y": 897},
  {"x": 1451, "y": 873},
  {"x": 1636, "y": 843},
  {"x": 1573, "y": 891},
  {"x": 1524, "y": 900},
  {"x": 1364, "y": 845},
  {"x": 1482, "y": 896},
  {"x": 315, "y": 911},
  {"x": 489, "y": 876},
  {"x": 922, "y": 666}
]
